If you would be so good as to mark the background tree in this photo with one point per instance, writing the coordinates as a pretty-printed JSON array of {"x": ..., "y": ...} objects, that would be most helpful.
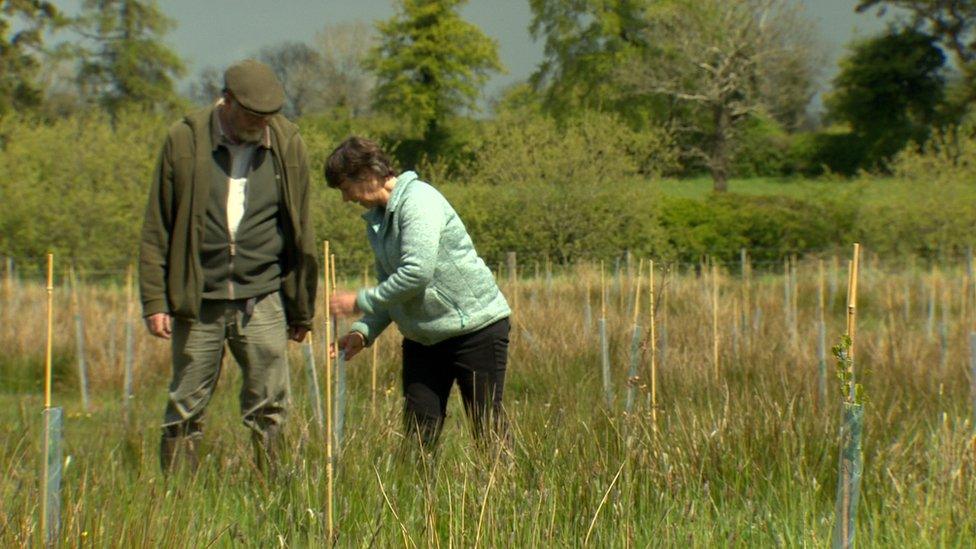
[
  {"x": 584, "y": 43},
  {"x": 21, "y": 52},
  {"x": 207, "y": 87},
  {"x": 889, "y": 91},
  {"x": 129, "y": 63},
  {"x": 951, "y": 22},
  {"x": 430, "y": 64},
  {"x": 725, "y": 60},
  {"x": 299, "y": 67},
  {"x": 347, "y": 82}
]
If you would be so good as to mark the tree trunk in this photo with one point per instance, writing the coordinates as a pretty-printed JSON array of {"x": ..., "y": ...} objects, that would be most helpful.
[{"x": 719, "y": 162}]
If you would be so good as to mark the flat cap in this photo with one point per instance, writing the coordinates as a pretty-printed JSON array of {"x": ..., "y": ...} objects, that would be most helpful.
[{"x": 255, "y": 87}]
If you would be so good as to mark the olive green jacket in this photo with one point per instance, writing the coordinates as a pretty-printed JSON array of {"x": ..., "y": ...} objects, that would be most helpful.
[{"x": 170, "y": 275}]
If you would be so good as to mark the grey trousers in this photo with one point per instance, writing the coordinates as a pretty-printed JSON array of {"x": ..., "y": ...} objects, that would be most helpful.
[{"x": 257, "y": 341}]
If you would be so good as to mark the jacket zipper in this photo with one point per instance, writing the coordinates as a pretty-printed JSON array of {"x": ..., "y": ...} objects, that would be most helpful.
[
  {"x": 230, "y": 268},
  {"x": 452, "y": 304}
]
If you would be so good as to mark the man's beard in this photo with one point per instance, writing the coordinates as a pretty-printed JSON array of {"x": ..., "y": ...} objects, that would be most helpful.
[{"x": 250, "y": 136}]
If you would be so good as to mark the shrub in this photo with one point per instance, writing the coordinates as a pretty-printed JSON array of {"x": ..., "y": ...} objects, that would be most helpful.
[
  {"x": 77, "y": 186},
  {"x": 519, "y": 147},
  {"x": 950, "y": 154},
  {"x": 834, "y": 150},
  {"x": 762, "y": 149}
]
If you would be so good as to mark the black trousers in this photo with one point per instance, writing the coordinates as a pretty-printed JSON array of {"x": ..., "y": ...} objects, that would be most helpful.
[{"x": 476, "y": 361}]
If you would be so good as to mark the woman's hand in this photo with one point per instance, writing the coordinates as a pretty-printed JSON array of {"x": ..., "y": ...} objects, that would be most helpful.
[
  {"x": 343, "y": 304},
  {"x": 351, "y": 344}
]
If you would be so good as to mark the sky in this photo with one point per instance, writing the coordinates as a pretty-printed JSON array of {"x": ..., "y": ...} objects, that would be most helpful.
[{"x": 218, "y": 32}]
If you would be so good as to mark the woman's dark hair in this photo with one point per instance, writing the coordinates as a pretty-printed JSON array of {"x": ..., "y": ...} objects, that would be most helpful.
[{"x": 356, "y": 159}]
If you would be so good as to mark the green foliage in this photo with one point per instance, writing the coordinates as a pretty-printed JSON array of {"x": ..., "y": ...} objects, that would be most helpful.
[
  {"x": 76, "y": 186},
  {"x": 833, "y": 150},
  {"x": 951, "y": 22},
  {"x": 723, "y": 61},
  {"x": 769, "y": 226},
  {"x": 935, "y": 221},
  {"x": 20, "y": 52},
  {"x": 851, "y": 391},
  {"x": 521, "y": 147},
  {"x": 889, "y": 90},
  {"x": 130, "y": 64},
  {"x": 566, "y": 222},
  {"x": 949, "y": 154},
  {"x": 762, "y": 149},
  {"x": 585, "y": 42},
  {"x": 430, "y": 64}
]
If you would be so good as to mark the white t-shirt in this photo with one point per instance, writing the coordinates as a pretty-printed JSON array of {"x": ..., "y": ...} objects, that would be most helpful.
[{"x": 240, "y": 167}]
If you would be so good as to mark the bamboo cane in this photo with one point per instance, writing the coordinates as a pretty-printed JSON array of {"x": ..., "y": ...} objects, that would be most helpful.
[
  {"x": 603, "y": 293},
  {"x": 372, "y": 362},
  {"x": 746, "y": 302},
  {"x": 622, "y": 279},
  {"x": 50, "y": 332},
  {"x": 821, "y": 334},
  {"x": 329, "y": 465},
  {"x": 129, "y": 344},
  {"x": 852, "y": 300},
  {"x": 308, "y": 352},
  {"x": 794, "y": 300},
  {"x": 653, "y": 338},
  {"x": 47, "y": 393},
  {"x": 340, "y": 370},
  {"x": 735, "y": 327},
  {"x": 604, "y": 344},
  {"x": 79, "y": 339},
  {"x": 787, "y": 301},
  {"x": 944, "y": 325},
  {"x": 715, "y": 282},
  {"x": 850, "y": 469},
  {"x": 633, "y": 375},
  {"x": 665, "y": 280},
  {"x": 587, "y": 312}
]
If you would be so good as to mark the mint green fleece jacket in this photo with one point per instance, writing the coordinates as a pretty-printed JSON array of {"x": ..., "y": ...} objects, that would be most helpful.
[{"x": 431, "y": 281}]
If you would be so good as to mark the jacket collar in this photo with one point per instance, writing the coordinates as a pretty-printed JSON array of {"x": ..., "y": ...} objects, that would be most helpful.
[
  {"x": 402, "y": 182},
  {"x": 377, "y": 217}
]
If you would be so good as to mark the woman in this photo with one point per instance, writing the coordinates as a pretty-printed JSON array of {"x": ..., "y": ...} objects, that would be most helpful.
[{"x": 432, "y": 283}]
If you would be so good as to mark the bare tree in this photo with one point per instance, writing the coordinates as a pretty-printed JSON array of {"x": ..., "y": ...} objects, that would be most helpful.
[
  {"x": 299, "y": 67},
  {"x": 726, "y": 60},
  {"x": 208, "y": 85},
  {"x": 347, "y": 83}
]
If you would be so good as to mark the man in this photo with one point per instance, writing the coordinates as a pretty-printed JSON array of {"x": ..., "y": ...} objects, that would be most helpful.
[{"x": 228, "y": 258}]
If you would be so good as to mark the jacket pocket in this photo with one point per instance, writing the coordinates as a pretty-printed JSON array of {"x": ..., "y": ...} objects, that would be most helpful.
[{"x": 448, "y": 305}]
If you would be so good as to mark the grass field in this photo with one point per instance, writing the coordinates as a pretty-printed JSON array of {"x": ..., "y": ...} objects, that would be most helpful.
[{"x": 745, "y": 459}]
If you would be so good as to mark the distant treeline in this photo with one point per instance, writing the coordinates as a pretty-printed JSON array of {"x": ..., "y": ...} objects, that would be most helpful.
[
  {"x": 716, "y": 87},
  {"x": 78, "y": 187}
]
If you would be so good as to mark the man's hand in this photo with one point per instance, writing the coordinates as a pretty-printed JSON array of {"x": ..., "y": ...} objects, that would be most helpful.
[
  {"x": 351, "y": 344},
  {"x": 343, "y": 304},
  {"x": 297, "y": 333},
  {"x": 160, "y": 325}
]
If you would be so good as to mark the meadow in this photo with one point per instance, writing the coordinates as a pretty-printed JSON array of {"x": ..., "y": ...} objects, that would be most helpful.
[{"x": 743, "y": 453}]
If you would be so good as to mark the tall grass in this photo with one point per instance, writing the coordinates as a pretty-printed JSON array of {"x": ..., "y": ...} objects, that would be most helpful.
[{"x": 748, "y": 459}]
